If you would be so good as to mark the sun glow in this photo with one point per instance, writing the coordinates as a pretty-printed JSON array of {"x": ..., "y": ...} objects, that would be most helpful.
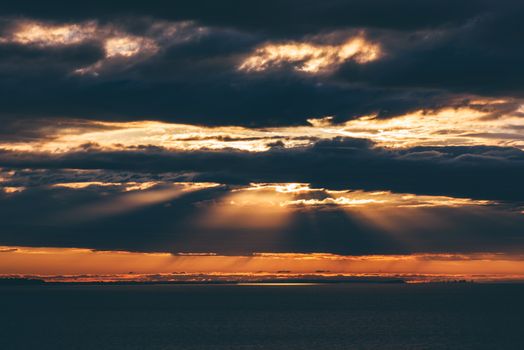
[{"x": 302, "y": 195}]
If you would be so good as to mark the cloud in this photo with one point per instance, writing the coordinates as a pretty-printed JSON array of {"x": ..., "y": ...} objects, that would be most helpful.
[
  {"x": 474, "y": 125},
  {"x": 418, "y": 102},
  {"x": 274, "y": 17},
  {"x": 118, "y": 45},
  {"x": 434, "y": 202},
  {"x": 26, "y": 32},
  {"x": 310, "y": 58},
  {"x": 481, "y": 172},
  {"x": 478, "y": 57},
  {"x": 238, "y": 220},
  {"x": 163, "y": 64}
]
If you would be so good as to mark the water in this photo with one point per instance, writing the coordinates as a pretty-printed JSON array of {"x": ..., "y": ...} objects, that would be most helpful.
[{"x": 353, "y": 316}]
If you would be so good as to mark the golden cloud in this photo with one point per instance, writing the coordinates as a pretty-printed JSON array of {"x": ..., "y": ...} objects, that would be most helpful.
[
  {"x": 118, "y": 45},
  {"x": 309, "y": 57}
]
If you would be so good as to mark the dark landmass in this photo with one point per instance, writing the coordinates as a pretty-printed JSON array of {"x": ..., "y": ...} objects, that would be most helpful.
[
  {"x": 20, "y": 281},
  {"x": 337, "y": 280}
]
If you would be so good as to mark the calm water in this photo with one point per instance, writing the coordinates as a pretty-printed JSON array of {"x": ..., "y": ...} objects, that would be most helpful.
[{"x": 354, "y": 316}]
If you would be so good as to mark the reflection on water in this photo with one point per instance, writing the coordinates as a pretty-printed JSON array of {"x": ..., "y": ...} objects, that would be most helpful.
[{"x": 278, "y": 284}]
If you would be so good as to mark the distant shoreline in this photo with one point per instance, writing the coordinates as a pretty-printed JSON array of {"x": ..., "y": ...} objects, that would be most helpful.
[
  {"x": 33, "y": 281},
  {"x": 319, "y": 281}
]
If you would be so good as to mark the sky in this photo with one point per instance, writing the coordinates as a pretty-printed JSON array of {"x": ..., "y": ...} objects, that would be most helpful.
[{"x": 278, "y": 137}]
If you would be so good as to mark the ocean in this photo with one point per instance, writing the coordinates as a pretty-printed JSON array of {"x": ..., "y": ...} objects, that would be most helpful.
[{"x": 325, "y": 316}]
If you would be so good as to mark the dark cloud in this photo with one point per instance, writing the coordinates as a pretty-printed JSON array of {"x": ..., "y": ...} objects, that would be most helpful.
[
  {"x": 208, "y": 102},
  {"x": 479, "y": 57},
  {"x": 274, "y": 17},
  {"x": 436, "y": 52},
  {"x": 19, "y": 130},
  {"x": 191, "y": 84},
  {"x": 43, "y": 217},
  {"x": 481, "y": 172}
]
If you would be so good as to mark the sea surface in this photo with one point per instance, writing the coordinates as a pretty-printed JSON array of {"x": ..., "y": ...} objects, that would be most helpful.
[{"x": 331, "y": 316}]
